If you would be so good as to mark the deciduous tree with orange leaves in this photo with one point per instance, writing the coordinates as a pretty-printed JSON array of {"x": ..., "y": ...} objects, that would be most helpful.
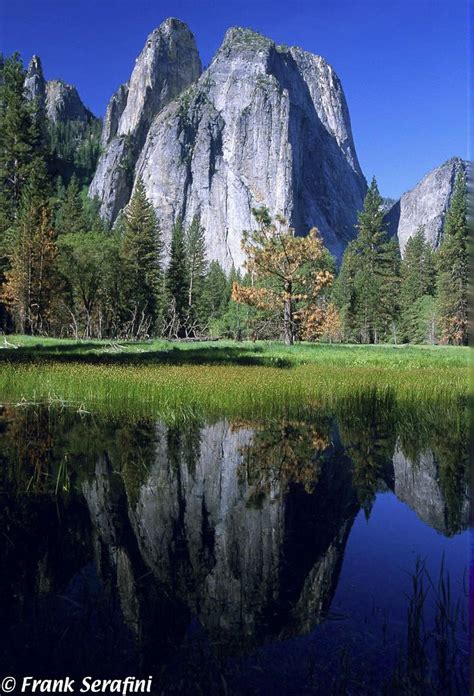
[{"x": 288, "y": 272}]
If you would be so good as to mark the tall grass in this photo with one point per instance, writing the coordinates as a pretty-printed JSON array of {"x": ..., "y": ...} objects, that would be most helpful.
[
  {"x": 194, "y": 391},
  {"x": 433, "y": 659},
  {"x": 174, "y": 381}
]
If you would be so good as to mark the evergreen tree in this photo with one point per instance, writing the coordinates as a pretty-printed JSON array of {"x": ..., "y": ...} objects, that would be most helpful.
[
  {"x": 417, "y": 269},
  {"x": 74, "y": 148},
  {"x": 216, "y": 294},
  {"x": 19, "y": 136},
  {"x": 86, "y": 261},
  {"x": 19, "y": 151},
  {"x": 417, "y": 281},
  {"x": 371, "y": 265},
  {"x": 237, "y": 319},
  {"x": 177, "y": 283},
  {"x": 93, "y": 220},
  {"x": 141, "y": 254},
  {"x": 32, "y": 288},
  {"x": 196, "y": 262},
  {"x": 59, "y": 191},
  {"x": 453, "y": 268},
  {"x": 344, "y": 293},
  {"x": 71, "y": 216},
  {"x": 419, "y": 321}
]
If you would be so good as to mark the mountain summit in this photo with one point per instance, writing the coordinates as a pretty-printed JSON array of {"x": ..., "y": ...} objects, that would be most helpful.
[
  {"x": 60, "y": 100},
  {"x": 168, "y": 63},
  {"x": 263, "y": 125}
]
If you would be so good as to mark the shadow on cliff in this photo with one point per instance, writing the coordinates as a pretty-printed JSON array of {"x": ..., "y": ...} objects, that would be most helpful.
[
  {"x": 329, "y": 175},
  {"x": 392, "y": 219},
  {"x": 117, "y": 354}
]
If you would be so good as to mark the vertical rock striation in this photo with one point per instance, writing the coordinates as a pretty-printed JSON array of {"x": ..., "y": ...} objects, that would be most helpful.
[
  {"x": 168, "y": 64},
  {"x": 263, "y": 125},
  {"x": 228, "y": 557}
]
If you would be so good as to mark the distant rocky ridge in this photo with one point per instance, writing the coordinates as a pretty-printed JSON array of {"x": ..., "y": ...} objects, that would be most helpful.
[
  {"x": 263, "y": 125},
  {"x": 425, "y": 205},
  {"x": 60, "y": 100}
]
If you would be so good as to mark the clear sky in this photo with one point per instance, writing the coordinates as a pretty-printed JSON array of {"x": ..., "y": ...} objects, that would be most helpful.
[{"x": 403, "y": 63}]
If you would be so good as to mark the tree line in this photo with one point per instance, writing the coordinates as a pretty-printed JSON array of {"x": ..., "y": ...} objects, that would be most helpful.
[
  {"x": 63, "y": 271},
  {"x": 420, "y": 298}
]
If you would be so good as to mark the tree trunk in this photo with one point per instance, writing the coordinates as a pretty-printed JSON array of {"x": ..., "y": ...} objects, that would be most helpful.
[{"x": 288, "y": 315}]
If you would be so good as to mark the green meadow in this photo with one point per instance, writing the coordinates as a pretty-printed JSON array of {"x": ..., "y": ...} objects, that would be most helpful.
[{"x": 177, "y": 380}]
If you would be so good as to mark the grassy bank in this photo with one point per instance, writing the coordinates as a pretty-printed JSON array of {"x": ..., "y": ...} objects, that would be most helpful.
[
  {"x": 176, "y": 380},
  {"x": 28, "y": 348}
]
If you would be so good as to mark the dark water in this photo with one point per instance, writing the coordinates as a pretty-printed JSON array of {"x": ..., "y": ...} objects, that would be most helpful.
[{"x": 325, "y": 556}]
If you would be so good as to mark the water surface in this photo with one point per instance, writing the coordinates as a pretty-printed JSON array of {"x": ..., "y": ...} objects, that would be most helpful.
[{"x": 236, "y": 557}]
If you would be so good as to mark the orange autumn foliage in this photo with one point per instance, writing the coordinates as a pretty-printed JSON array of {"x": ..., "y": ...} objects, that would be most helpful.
[{"x": 288, "y": 274}]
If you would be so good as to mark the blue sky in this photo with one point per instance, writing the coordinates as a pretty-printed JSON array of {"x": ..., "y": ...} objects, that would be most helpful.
[{"x": 403, "y": 63}]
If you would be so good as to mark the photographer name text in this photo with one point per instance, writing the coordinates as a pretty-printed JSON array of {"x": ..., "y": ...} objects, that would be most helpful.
[{"x": 87, "y": 685}]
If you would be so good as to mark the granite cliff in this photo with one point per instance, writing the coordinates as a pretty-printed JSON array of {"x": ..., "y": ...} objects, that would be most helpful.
[
  {"x": 60, "y": 100},
  {"x": 425, "y": 205},
  {"x": 168, "y": 63},
  {"x": 263, "y": 125}
]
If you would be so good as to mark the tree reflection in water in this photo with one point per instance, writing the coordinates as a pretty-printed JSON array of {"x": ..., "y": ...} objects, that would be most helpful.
[{"x": 133, "y": 546}]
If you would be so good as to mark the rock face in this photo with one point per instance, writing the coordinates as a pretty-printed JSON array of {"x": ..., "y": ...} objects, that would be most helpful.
[
  {"x": 263, "y": 125},
  {"x": 417, "y": 483},
  {"x": 35, "y": 84},
  {"x": 60, "y": 100},
  {"x": 167, "y": 65},
  {"x": 63, "y": 103},
  {"x": 425, "y": 205},
  {"x": 229, "y": 558}
]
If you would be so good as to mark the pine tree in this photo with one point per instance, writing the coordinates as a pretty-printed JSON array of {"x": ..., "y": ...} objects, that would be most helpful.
[
  {"x": 453, "y": 268},
  {"x": 290, "y": 274},
  {"x": 344, "y": 293},
  {"x": 75, "y": 149},
  {"x": 372, "y": 268},
  {"x": 418, "y": 280},
  {"x": 71, "y": 216},
  {"x": 196, "y": 262},
  {"x": 31, "y": 288},
  {"x": 87, "y": 261},
  {"x": 93, "y": 220},
  {"x": 19, "y": 135},
  {"x": 418, "y": 322},
  {"x": 417, "y": 269},
  {"x": 177, "y": 283},
  {"x": 141, "y": 254},
  {"x": 18, "y": 139},
  {"x": 236, "y": 319},
  {"x": 216, "y": 294}
]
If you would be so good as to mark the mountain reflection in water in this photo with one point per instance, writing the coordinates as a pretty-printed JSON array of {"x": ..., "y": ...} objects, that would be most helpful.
[{"x": 230, "y": 557}]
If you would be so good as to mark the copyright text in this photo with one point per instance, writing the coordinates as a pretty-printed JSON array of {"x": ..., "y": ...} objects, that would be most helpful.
[{"x": 88, "y": 685}]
